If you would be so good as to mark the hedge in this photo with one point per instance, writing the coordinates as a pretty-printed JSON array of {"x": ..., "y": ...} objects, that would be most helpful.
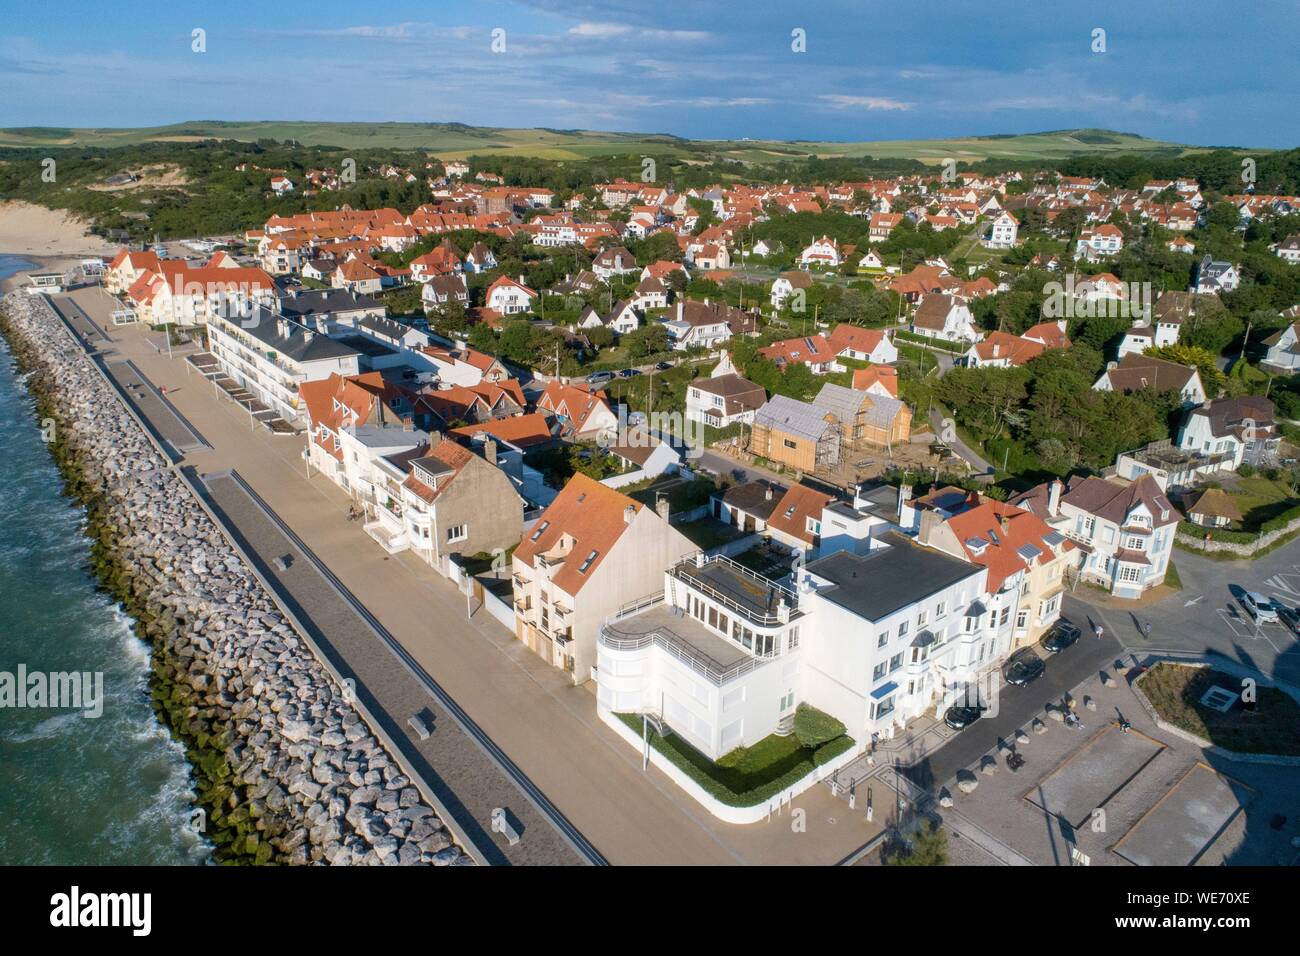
[
  {"x": 1216, "y": 534},
  {"x": 939, "y": 344}
]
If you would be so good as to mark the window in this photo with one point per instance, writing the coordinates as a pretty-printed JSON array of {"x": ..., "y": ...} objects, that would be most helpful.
[
  {"x": 1129, "y": 574},
  {"x": 878, "y": 672},
  {"x": 541, "y": 530},
  {"x": 920, "y": 619},
  {"x": 896, "y": 662},
  {"x": 1006, "y": 613},
  {"x": 1022, "y": 619},
  {"x": 1133, "y": 543},
  {"x": 883, "y": 708},
  {"x": 883, "y": 639},
  {"x": 789, "y": 444},
  {"x": 787, "y": 700},
  {"x": 458, "y": 532},
  {"x": 941, "y": 609},
  {"x": 794, "y": 638},
  {"x": 814, "y": 526},
  {"x": 902, "y": 628},
  {"x": 586, "y": 562}
]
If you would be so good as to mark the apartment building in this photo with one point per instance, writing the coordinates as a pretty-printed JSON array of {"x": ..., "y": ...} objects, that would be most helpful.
[
  {"x": 590, "y": 552},
  {"x": 272, "y": 356}
]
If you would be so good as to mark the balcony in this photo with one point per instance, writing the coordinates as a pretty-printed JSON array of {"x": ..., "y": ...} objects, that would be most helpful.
[
  {"x": 759, "y": 600},
  {"x": 717, "y": 660},
  {"x": 390, "y": 540}
]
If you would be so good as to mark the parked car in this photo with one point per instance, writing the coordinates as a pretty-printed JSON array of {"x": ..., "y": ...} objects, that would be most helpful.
[
  {"x": 1290, "y": 617},
  {"x": 629, "y": 372},
  {"x": 1058, "y": 637},
  {"x": 661, "y": 366},
  {"x": 958, "y": 717},
  {"x": 1023, "y": 667},
  {"x": 1261, "y": 608},
  {"x": 600, "y": 378}
]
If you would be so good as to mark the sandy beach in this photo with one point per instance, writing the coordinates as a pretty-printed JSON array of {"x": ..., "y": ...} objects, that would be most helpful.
[
  {"x": 29, "y": 230},
  {"x": 49, "y": 238}
]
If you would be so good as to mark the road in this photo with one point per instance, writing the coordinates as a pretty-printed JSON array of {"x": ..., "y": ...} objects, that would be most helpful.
[
  {"x": 953, "y": 440},
  {"x": 546, "y": 726}
]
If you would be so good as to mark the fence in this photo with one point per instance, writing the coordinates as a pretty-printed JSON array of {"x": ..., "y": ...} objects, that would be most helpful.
[{"x": 1242, "y": 549}]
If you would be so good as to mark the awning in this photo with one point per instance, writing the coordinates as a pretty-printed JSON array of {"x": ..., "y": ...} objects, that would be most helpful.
[{"x": 884, "y": 691}]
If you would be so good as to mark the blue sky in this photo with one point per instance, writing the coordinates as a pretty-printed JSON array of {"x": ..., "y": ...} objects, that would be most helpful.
[{"x": 1184, "y": 70}]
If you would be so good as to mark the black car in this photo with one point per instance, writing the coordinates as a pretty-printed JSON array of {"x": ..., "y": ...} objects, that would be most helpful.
[
  {"x": 1058, "y": 637},
  {"x": 629, "y": 372},
  {"x": 661, "y": 366},
  {"x": 958, "y": 717},
  {"x": 1290, "y": 617},
  {"x": 1022, "y": 667}
]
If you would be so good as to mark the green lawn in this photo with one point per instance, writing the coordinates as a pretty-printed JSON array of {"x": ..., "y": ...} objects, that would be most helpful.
[
  {"x": 748, "y": 775},
  {"x": 1175, "y": 691},
  {"x": 1260, "y": 499}
]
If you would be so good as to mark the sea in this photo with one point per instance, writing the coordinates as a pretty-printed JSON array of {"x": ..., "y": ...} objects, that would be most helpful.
[{"x": 112, "y": 789}]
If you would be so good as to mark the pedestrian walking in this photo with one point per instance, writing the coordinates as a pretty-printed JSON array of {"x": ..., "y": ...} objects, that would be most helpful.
[
  {"x": 1146, "y": 630},
  {"x": 1098, "y": 629}
]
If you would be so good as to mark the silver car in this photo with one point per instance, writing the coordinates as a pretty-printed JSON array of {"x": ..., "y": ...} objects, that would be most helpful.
[{"x": 1261, "y": 608}]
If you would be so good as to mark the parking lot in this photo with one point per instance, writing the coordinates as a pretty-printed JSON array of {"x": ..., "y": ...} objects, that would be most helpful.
[{"x": 1207, "y": 616}]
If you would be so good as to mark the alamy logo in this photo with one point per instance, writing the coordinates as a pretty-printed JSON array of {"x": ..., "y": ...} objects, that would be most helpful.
[
  {"x": 74, "y": 909},
  {"x": 59, "y": 690},
  {"x": 1090, "y": 299},
  {"x": 642, "y": 431}
]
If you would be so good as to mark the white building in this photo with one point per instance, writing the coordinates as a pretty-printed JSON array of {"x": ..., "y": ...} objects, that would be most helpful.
[
  {"x": 1002, "y": 232},
  {"x": 1239, "y": 429}
]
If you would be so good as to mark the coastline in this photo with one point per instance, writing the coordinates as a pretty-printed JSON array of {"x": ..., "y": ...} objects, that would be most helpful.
[
  {"x": 49, "y": 239},
  {"x": 284, "y": 768}
]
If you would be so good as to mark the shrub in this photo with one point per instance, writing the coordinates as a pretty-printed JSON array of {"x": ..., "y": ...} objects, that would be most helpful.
[
  {"x": 814, "y": 727},
  {"x": 1247, "y": 470}
]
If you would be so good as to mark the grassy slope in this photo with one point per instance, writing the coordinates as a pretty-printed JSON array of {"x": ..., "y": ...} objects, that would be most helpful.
[{"x": 453, "y": 141}]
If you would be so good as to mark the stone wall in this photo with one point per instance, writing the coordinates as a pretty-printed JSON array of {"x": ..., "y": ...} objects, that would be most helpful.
[{"x": 285, "y": 769}]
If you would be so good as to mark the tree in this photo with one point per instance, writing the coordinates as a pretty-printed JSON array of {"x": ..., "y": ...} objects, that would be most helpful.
[
  {"x": 929, "y": 847},
  {"x": 1201, "y": 359}
]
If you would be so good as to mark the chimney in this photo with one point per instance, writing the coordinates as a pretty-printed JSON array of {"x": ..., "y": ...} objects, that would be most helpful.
[
  {"x": 767, "y": 495},
  {"x": 629, "y": 513},
  {"x": 1004, "y": 523},
  {"x": 490, "y": 450},
  {"x": 930, "y": 520},
  {"x": 661, "y": 506},
  {"x": 1053, "y": 499}
]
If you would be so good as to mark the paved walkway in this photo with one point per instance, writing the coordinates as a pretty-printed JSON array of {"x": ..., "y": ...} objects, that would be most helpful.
[
  {"x": 960, "y": 447},
  {"x": 547, "y": 727}
]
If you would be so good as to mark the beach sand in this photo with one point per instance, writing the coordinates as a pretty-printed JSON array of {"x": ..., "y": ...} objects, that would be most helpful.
[
  {"x": 49, "y": 238},
  {"x": 28, "y": 230}
]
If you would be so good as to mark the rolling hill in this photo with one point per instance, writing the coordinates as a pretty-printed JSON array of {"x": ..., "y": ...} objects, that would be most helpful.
[{"x": 456, "y": 141}]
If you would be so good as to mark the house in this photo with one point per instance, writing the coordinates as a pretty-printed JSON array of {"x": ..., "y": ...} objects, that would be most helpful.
[
  {"x": 614, "y": 261},
  {"x": 590, "y": 553},
  {"x": 192, "y": 296},
  {"x": 785, "y": 285},
  {"x": 871, "y": 261},
  {"x": 1002, "y": 231},
  {"x": 1002, "y": 350},
  {"x": 479, "y": 259},
  {"x": 796, "y": 434},
  {"x": 1124, "y": 529},
  {"x": 623, "y": 318},
  {"x": 1239, "y": 429},
  {"x": 1172, "y": 310},
  {"x": 862, "y": 345},
  {"x": 1213, "y": 276},
  {"x": 281, "y": 185},
  {"x": 1181, "y": 245},
  {"x": 1289, "y": 248},
  {"x": 866, "y": 418},
  {"x": 796, "y": 521},
  {"x": 709, "y": 256},
  {"x": 947, "y": 318},
  {"x": 1026, "y": 561},
  {"x": 1051, "y": 335},
  {"x": 650, "y": 293},
  {"x": 509, "y": 297},
  {"x": 1211, "y": 508},
  {"x": 811, "y": 350},
  {"x": 823, "y": 252},
  {"x": 699, "y": 324},
  {"x": 882, "y": 224},
  {"x": 584, "y": 413},
  {"x": 1099, "y": 242},
  {"x": 357, "y": 276},
  {"x": 457, "y": 501},
  {"x": 748, "y": 506},
  {"x": 1284, "y": 349},
  {"x": 443, "y": 260},
  {"x": 459, "y": 365},
  {"x": 1135, "y": 372},
  {"x": 126, "y": 267},
  {"x": 642, "y": 456},
  {"x": 440, "y": 291},
  {"x": 723, "y": 399},
  {"x": 876, "y": 379}
]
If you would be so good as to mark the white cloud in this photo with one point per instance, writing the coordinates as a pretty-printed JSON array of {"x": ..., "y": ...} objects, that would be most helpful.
[{"x": 842, "y": 102}]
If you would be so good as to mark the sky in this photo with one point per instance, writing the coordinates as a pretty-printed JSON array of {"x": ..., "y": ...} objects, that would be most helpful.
[{"x": 1189, "y": 71}]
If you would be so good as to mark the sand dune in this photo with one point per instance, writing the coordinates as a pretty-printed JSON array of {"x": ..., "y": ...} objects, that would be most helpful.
[{"x": 31, "y": 230}]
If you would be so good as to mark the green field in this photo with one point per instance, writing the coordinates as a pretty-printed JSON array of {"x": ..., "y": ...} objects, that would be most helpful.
[{"x": 456, "y": 141}]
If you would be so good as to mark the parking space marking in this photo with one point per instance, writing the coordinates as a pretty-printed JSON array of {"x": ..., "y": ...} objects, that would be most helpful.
[{"x": 1242, "y": 628}]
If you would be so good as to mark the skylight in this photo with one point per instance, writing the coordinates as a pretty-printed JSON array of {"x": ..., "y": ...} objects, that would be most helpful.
[
  {"x": 541, "y": 529},
  {"x": 586, "y": 562}
]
